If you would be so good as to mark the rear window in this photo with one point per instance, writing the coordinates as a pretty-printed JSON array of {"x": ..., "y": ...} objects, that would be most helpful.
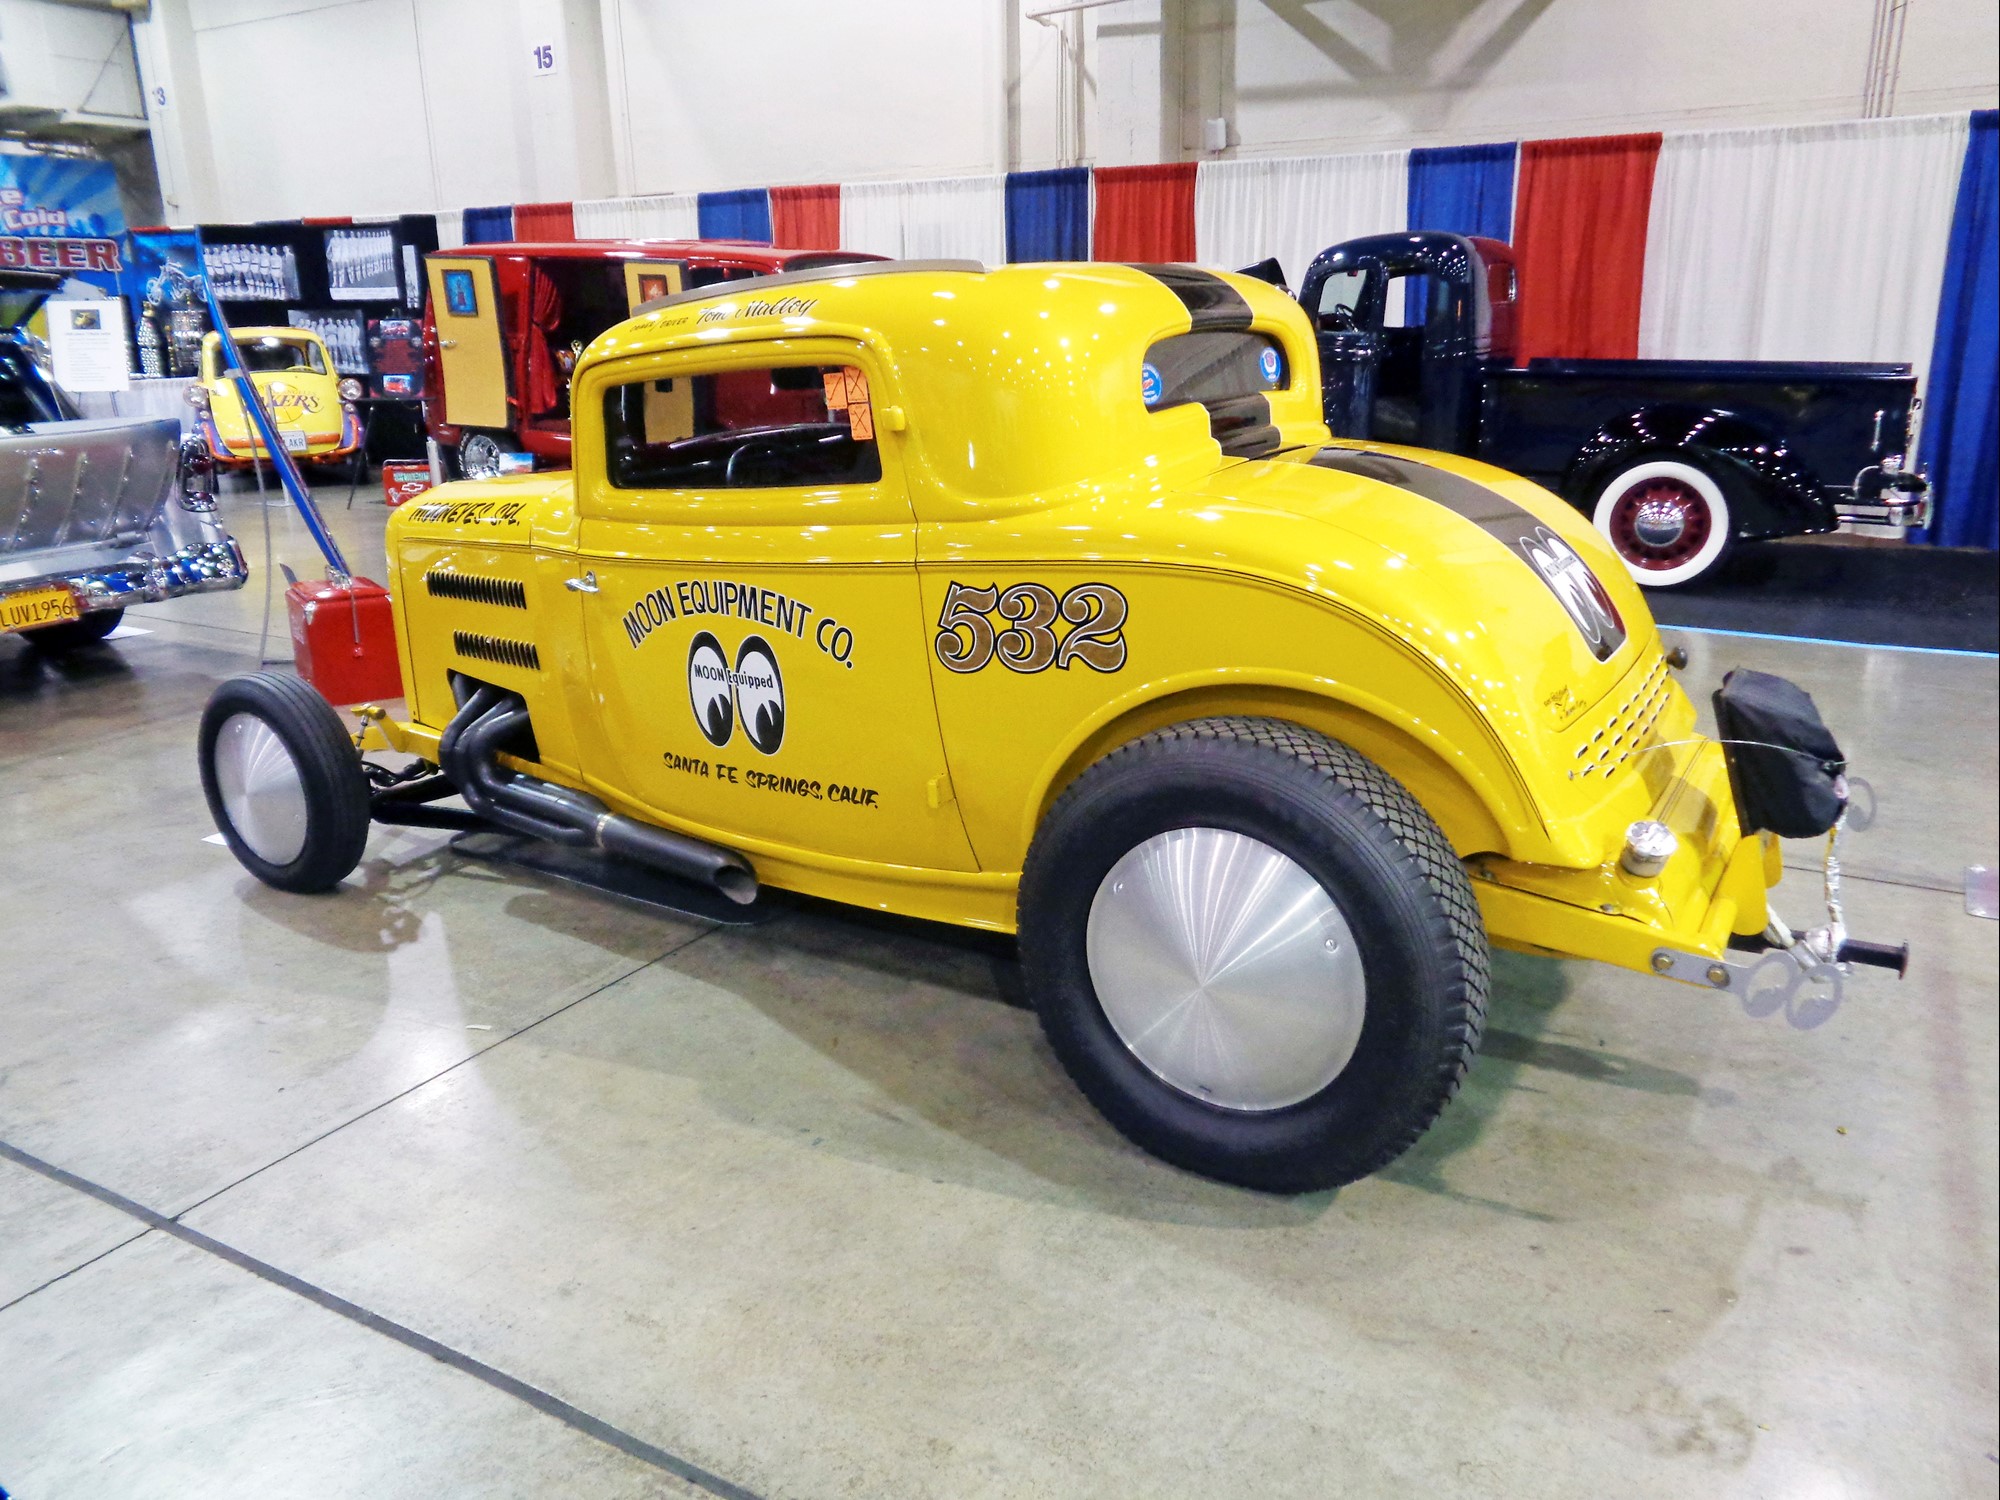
[
  {"x": 1211, "y": 367},
  {"x": 778, "y": 427}
]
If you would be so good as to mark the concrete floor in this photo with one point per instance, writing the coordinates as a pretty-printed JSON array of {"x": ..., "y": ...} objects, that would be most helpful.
[{"x": 465, "y": 1183}]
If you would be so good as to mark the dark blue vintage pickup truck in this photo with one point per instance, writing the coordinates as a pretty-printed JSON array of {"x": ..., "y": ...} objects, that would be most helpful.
[{"x": 1674, "y": 460}]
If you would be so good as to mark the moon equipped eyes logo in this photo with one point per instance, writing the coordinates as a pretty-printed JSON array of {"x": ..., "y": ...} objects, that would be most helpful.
[
  {"x": 752, "y": 691},
  {"x": 1569, "y": 578}
]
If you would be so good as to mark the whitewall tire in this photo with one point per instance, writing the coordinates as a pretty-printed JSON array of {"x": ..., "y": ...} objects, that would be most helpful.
[{"x": 1667, "y": 519}]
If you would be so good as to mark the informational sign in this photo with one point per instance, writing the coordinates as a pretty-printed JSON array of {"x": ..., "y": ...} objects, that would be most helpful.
[
  {"x": 87, "y": 344},
  {"x": 544, "y": 61},
  {"x": 61, "y": 215}
]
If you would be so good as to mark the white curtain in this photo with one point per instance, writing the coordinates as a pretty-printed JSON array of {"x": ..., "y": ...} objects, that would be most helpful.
[
  {"x": 945, "y": 218},
  {"x": 660, "y": 216},
  {"x": 1801, "y": 242},
  {"x": 451, "y": 228},
  {"x": 1293, "y": 208}
]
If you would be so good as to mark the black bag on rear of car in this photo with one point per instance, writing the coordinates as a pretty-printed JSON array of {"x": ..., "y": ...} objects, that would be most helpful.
[{"x": 1785, "y": 767}]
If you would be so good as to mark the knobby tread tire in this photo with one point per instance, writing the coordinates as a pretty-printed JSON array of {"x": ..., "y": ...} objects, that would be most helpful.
[
  {"x": 337, "y": 797},
  {"x": 1453, "y": 924}
]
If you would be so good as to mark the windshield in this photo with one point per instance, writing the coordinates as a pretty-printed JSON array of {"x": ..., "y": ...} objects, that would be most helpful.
[{"x": 262, "y": 356}]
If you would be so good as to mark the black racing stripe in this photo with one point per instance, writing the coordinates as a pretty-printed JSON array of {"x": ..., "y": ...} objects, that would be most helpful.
[
  {"x": 1547, "y": 555},
  {"x": 1212, "y": 303},
  {"x": 1490, "y": 512}
]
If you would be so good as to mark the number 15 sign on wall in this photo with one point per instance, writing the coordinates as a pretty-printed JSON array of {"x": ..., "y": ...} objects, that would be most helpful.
[{"x": 543, "y": 60}]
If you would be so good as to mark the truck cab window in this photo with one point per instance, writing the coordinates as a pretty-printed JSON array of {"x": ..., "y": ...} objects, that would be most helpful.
[
  {"x": 781, "y": 427},
  {"x": 1340, "y": 299}
]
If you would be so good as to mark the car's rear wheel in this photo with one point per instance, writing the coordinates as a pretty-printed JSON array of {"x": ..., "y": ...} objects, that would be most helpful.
[
  {"x": 478, "y": 454},
  {"x": 1254, "y": 952},
  {"x": 68, "y": 635},
  {"x": 284, "y": 782},
  {"x": 1667, "y": 518}
]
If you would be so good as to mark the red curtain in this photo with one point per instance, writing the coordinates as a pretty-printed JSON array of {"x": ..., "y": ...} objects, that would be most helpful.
[
  {"x": 1144, "y": 213},
  {"x": 544, "y": 221},
  {"x": 1580, "y": 244},
  {"x": 544, "y": 319},
  {"x": 806, "y": 218}
]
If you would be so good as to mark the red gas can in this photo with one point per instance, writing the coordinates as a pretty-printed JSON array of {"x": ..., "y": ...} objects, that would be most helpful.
[
  {"x": 344, "y": 640},
  {"x": 404, "y": 481}
]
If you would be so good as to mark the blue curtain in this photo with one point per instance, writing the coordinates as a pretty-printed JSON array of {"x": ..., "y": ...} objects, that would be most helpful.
[
  {"x": 742, "y": 215},
  {"x": 1962, "y": 404},
  {"x": 1464, "y": 190},
  {"x": 489, "y": 226},
  {"x": 1048, "y": 214}
]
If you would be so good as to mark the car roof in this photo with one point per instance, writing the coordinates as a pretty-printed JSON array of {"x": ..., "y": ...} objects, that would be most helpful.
[{"x": 1029, "y": 375}]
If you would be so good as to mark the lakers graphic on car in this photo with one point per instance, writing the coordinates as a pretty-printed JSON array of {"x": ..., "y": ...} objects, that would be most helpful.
[{"x": 1040, "y": 600}]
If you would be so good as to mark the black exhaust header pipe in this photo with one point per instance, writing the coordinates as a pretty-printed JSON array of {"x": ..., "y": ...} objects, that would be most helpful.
[{"x": 540, "y": 809}]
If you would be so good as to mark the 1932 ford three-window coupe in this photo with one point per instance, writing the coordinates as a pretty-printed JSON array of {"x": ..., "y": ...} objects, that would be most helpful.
[{"x": 1038, "y": 600}]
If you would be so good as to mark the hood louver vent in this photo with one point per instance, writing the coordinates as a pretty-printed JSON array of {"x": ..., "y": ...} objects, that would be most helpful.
[
  {"x": 494, "y": 648},
  {"x": 443, "y": 583}
]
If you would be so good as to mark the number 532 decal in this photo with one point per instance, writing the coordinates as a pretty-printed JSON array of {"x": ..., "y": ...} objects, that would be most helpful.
[{"x": 1025, "y": 639}]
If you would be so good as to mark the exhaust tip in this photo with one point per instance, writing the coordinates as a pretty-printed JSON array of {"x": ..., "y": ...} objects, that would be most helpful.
[{"x": 738, "y": 884}]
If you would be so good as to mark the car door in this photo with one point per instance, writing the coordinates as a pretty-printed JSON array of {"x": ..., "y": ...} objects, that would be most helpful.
[
  {"x": 465, "y": 305},
  {"x": 759, "y": 669}
]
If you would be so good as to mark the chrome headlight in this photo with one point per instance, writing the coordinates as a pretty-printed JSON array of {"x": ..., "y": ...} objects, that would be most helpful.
[
  {"x": 350, "y": 389},
  {"x": 196, "y": 396}
]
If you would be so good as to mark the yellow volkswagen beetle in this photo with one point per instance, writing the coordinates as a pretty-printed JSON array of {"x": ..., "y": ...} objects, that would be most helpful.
[
  {"x": 1038, "y": 600},
  {"x": 310, "y": 404}
]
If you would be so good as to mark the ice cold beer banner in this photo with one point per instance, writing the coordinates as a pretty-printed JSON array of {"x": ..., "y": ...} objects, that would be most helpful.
[{"x": 61, "y": 216}]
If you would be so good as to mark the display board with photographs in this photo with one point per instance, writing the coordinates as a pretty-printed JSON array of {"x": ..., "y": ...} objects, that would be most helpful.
[
  {"x": 344, "y": 333},
  {"x": 361, "y": 265},
  {"x": 253, "y": 272}
]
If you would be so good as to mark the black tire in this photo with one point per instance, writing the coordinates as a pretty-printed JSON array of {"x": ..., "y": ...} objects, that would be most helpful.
[
  {"x": 71, "y": 634},
  {"x": 1370, "y": 846},
  {"x": 329, "y": 772},
  {"x": 471, "y": 453}
]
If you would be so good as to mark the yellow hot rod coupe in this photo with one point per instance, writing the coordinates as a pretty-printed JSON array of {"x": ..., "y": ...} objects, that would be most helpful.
[{"x": 1038, "y": 600}]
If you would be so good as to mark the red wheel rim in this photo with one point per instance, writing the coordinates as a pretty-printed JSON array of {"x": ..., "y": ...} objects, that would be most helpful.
[{"x": 1659, "y": 524}]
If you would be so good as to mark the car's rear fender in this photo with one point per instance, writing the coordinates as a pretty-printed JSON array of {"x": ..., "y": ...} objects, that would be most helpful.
[
  {"x": 1477, "y": 798},
  {"x": 1770, "y": 491}
]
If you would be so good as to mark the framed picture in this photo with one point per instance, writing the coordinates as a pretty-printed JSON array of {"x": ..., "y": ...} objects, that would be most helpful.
[
  {"x": 461, "y": 297},
  {"x": 651, "y": 286}
]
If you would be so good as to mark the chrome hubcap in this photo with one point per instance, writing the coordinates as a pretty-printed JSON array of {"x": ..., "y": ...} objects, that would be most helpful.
[
  {"x": 1660, "y": 523},
  {"x": 262, "y": 793},
  {"x": 1226, "y": 969},
  {"x": 479, "y": 457}
]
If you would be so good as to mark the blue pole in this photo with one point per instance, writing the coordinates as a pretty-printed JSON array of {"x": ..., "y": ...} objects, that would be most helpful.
[{"x": 288, "y": 472}]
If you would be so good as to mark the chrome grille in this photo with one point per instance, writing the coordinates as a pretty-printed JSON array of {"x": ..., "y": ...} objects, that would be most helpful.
[
  {"x": 1626, "y": 729},
  {"x": 444, "y": 583},
  {"x": 496, "y": 648}
]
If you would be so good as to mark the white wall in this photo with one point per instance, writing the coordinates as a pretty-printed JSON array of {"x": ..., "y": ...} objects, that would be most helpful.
[
  {"x": 279, "y": 108},
  {"x": 1294, "y": 76}
]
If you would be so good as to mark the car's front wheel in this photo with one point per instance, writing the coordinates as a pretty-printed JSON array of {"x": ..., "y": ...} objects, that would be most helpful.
[
  {"x": 1254, "y": 952},
  {"x": 284, "y": 782},
  {"x": 1668, "y": 518}
]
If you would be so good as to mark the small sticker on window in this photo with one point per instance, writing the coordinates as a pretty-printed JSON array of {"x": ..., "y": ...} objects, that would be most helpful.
[
  {"x": 1268, "y": 363},
  {"x": 1151, "y": 387}
]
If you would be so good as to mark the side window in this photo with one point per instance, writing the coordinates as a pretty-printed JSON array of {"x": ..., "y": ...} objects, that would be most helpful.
[
  {"x": 1414, "y": 299},
  {"x": 1499, "y": 284},
  {"x": 780, "y": 427},
  {"x": 1340, "y": 300}
]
